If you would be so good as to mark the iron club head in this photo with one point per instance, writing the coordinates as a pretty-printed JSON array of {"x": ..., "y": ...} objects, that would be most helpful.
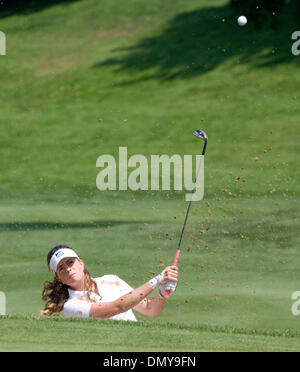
[{"x": 202, "y": 135}]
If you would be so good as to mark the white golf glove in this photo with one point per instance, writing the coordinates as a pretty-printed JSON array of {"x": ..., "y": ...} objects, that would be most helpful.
[
  {"x": 170, "y": 286},
  {"x": 158, "y": 279}
]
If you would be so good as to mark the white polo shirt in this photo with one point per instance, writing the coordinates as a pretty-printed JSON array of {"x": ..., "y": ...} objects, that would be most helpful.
[{"x": 110, "y": 287}]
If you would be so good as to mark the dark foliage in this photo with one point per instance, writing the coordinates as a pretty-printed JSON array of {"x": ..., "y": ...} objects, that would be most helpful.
[
  {"x": 260, "y": 12},
  {"x": 9, "y": 7}
]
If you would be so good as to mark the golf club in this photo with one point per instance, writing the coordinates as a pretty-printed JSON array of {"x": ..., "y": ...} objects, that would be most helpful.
[{"x": 199, "y": 134}]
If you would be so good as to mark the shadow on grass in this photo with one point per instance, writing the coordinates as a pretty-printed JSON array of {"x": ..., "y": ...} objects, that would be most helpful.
[
  {"x": 27, "y": 226},
  {"x": 196, "y": 42},
  {"x": 10, "y": 7}
]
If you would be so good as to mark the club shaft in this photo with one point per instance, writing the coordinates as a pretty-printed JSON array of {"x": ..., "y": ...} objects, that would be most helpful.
[
  {"x": 168, "y": 292},
  {"x": 190, "y": 202}
]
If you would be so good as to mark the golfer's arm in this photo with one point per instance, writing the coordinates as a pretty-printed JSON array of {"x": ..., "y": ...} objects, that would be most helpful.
[
  {"x": 122, "y": 304},
  {"x": 151, "y": 307}
]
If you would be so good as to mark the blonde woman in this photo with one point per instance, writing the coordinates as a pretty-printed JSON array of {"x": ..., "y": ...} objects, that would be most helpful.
[{"x": 77, "y": 294}]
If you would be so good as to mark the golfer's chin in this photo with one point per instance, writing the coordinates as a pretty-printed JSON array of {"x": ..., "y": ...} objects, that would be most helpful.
[{"x": 74, "y": 282}]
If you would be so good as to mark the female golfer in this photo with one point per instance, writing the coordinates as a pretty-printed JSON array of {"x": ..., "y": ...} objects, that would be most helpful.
[{"x": 75, "y": 292}]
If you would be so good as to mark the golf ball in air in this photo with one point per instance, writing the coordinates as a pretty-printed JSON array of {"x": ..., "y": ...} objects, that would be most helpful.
[{"x": 242, "y": 20}]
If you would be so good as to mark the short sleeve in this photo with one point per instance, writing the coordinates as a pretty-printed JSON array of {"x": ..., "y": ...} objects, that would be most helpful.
[
  {"x": 122, "y": 286},
  {"x": 125, "y": 287},
  {"x": 77, "y": 308}
]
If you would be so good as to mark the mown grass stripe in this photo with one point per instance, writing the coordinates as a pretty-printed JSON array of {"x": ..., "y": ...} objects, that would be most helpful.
[{"x": 162, "y": 324}]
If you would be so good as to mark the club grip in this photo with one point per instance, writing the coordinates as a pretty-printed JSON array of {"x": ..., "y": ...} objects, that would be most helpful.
[
  {"x": 176, "y": 257},
  {"x": 168, "y": 292}
]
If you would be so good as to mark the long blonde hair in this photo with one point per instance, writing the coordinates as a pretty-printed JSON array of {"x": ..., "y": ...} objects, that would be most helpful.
[{"x": 56, "y": 293}]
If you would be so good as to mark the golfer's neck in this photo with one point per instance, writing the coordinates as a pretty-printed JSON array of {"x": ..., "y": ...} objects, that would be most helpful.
[{"x": 78, "y": 286}]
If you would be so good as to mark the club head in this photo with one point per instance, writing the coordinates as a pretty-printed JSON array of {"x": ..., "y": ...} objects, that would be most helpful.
[{"x": 200, "y": 134}]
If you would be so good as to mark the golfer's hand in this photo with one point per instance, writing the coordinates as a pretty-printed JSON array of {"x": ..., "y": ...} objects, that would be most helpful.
[
  {"x": 170, "y": 282},
  {"x": 170, "y": 274}
]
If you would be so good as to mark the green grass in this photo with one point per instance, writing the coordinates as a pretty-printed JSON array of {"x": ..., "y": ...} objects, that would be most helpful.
[
  {"x": 95, "y": 335},
  {"x": 81, "y": 79}
]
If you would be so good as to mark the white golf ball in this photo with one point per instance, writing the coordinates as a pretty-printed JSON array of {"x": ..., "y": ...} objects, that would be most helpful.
[{"x": 242, "y": 20}]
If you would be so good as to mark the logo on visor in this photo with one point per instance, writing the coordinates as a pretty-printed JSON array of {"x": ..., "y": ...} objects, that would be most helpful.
[{"x": 58, "y": 254}]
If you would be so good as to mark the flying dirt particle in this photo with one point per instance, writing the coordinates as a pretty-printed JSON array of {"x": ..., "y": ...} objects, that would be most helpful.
[
  {"x": 209, "y": 212},
  {"x": 174, "y": 217},
  {"x": 150, "y": 237},
  {"x": 152, "y": 272},
  {"x": 186, "y": 301},
  {"x": 100, "y": 120},
  {"x": 125, "y": 121},
  {"x": 237, "y": 179},
  {"x": 167, "y": 234},
  {"x": 225, "y": 232},
  {"x": 256, "y": 158},
  {"x": 189, "y": 249}
]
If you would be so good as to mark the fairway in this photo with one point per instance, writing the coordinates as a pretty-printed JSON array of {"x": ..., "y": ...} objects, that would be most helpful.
[
  {"x": 81, "y": 79},
  {"x": 93, "y": 335}
]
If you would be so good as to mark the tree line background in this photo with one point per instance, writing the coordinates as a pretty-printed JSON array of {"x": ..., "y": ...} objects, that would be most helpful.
[
  {"x": 265, "y": 12},
  {"x": 262, "y": 13}
]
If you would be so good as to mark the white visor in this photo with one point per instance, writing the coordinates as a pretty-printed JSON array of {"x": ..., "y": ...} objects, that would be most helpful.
[{"x": 59, "y": 255}]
